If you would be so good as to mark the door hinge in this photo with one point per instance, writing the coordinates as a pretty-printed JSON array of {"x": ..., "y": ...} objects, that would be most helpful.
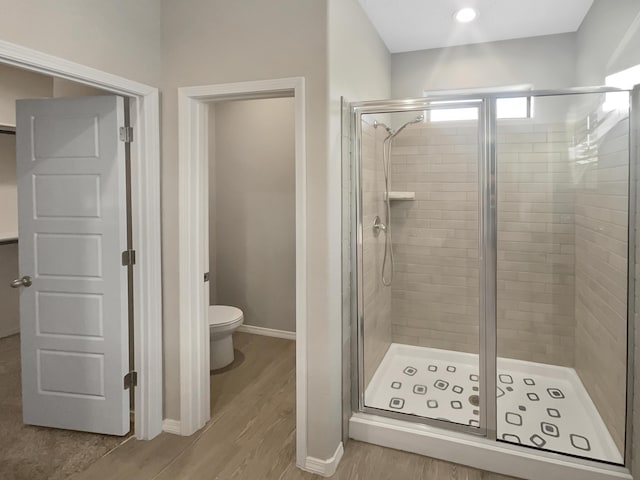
[
  {"x": 206, "y": 277},
  {"x": 126, "y": 134},
  {"x": 130, "y": 380},
  {"x": 128, "y": 258}
]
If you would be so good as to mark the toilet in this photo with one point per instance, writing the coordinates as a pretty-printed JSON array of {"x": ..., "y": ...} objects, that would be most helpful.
[{"x": 223, "y": 321}]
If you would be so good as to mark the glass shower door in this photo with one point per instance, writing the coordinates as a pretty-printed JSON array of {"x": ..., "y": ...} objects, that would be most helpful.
[
  {"x": 419, "y": 264},
  {"x": 562, "y": 275}
]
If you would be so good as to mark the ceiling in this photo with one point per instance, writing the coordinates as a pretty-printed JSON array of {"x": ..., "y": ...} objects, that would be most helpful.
[{"x": 407, "y": 25}]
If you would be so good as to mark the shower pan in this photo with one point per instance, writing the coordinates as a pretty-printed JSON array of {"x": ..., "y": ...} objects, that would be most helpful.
[{"x": 500, "y": 312}]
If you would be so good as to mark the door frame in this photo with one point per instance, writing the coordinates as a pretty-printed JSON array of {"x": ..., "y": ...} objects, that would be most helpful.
[
  {"x": 145, "y": 212},
  {"x": 194, "y": 245}
]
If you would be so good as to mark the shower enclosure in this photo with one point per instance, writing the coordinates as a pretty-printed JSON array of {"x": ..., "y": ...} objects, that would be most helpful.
[{"x": 492, "y": 247}]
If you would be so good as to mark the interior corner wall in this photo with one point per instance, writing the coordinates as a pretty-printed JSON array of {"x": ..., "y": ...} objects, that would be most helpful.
[
  {"x": 359, "y": 69},
  {"x": 215, "y": 41},
  {"x": 548, "y": 63},
  {"x": 607, "y": 41},
  {"x": 252, "y": 252}
]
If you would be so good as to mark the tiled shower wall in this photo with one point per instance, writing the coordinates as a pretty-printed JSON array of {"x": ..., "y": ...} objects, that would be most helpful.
[
  {"x": 536, "y": 243},
  {"x": 601, "y": 274},
  {"x": 435, "y": 294},
  {"x": 377, "y": 297},
  {"x": 435, "y": 238}
]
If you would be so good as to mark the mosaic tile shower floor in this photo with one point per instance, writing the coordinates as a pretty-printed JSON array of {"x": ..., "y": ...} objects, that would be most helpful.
[{"x": 539, "y": 405}]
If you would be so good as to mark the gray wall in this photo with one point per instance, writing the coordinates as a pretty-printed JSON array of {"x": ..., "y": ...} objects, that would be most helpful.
[
  {"x": 252, "y": 210},
  {"x": 359, "y": 69},
  {"x": 215, "y": 41}
]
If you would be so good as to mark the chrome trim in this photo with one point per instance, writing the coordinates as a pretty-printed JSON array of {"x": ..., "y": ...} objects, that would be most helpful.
[
  {"x": 359, "y": 268},
  {"x": 488, "y": 254},
  {"x": 432, "y": 422},
  {"x": 634, "y": 151},
  {"x": 407, "y": 103}
]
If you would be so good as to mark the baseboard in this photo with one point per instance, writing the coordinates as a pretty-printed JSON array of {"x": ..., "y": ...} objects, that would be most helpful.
[
  {"x": 9, "y": 332},
  {"x": 171, "y": 426},
  {"x": 267, "y": 332},
  {"x": 327, "y": 467}
]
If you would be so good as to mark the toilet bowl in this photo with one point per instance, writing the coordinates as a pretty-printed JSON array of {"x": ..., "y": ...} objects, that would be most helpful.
[{"x": 223, "y": 321}]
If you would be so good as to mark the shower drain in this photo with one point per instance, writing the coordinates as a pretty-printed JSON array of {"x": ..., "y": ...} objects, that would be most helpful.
[{"x": 474, "y": 400}]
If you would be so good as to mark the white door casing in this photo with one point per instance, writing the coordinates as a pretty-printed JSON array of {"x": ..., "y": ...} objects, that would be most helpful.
[{"x": 72, "y": 231}]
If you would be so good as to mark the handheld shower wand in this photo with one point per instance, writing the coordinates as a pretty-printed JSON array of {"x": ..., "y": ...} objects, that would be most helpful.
[{"x": 387, "y": 280}]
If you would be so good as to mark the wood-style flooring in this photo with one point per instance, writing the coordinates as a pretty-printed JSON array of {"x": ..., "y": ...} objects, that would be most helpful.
[{"x": 251, "y": 435}]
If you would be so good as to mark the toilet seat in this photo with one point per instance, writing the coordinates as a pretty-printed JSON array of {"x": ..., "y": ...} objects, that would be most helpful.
[{"x": 223, "y": 315}]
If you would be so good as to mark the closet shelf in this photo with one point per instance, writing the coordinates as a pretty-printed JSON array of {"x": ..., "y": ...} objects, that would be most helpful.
[{"x": 401, "y": 196}]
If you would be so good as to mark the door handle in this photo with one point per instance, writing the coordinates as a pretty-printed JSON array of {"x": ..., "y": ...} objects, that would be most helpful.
[{"x": 22, "y": 282}]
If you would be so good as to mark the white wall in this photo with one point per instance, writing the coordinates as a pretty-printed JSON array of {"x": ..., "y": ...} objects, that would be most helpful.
[
  {"x": 608, "y": 40},
  {"x": 252, "y": 210},
  {"x": 545, "y": 62}
]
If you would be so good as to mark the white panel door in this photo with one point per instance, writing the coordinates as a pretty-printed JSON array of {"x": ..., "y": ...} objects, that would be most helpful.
[{"x": 72, "y": 232}]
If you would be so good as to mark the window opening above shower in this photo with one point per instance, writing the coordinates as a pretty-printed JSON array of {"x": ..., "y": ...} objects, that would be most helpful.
[{"x": 507, "y": 108}]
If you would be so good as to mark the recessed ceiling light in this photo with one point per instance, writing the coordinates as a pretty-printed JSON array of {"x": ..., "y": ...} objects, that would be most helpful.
[{"x": 465, "y": 15}]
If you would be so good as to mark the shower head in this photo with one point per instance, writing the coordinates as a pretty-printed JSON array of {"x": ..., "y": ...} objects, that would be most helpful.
[
  {"x": 377, "y": 124},
  {"x": 418, "y": 119}
]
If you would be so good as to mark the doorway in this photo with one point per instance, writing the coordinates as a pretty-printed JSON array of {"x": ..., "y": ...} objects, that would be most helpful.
[
  {"x": 145, "y": 215},
  {"x": 194, "y": 245}
]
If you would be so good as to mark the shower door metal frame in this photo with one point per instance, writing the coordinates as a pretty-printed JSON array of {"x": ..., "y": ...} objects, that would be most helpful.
[
  {"x": 487, "y": 183},
  {"x": 407, "y": 106}
]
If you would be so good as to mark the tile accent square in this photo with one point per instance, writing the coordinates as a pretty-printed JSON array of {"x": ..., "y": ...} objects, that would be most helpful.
[
  {"x": 411, "y": 371},
  {"x": 514, "y": 419},
  {"x": 552, "y": 412},
  {"x": 580, "y": 442},
  {"x": 396, "y": 403},
  {"x": 549, "y": 429},
  {"x": 419, "y": 389},
  {"x": 509, "y": 437},
  {"x": 396, "y": 385},
  {"x": 538, "y": 441},
  {"x": 506, "y": 379},
  {"x": 441, "y": 385},
  {"x": 555, "y": 393}
]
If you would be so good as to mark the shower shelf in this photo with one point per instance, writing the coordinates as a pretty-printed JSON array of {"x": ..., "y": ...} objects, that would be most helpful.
[{"x": 401, "y": 196}]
